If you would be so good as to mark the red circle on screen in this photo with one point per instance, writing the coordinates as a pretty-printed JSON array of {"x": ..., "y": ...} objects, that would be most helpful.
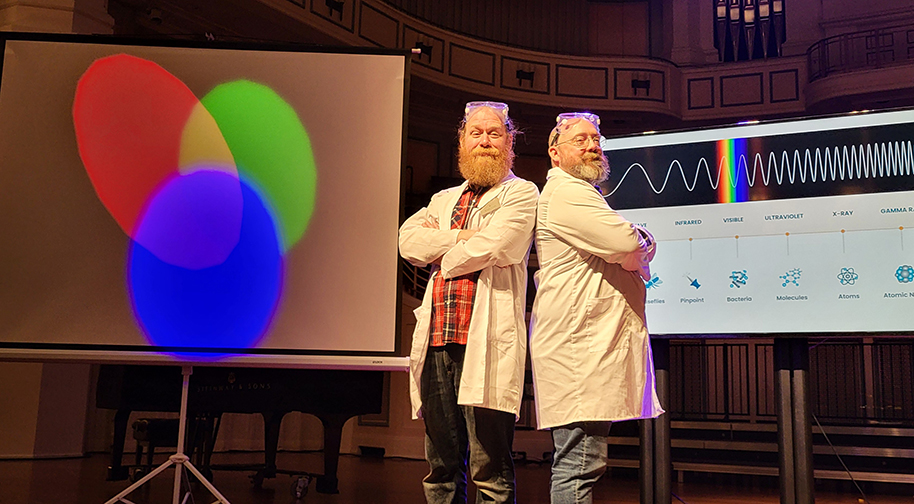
[{"x": 129, "y": 114}]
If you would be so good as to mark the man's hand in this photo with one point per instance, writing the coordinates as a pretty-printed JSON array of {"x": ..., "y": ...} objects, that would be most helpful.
[
  {"x": 645, "y": 235},
  {"x": 431, "y": 223},
  {"x": 465, "y": 234}
]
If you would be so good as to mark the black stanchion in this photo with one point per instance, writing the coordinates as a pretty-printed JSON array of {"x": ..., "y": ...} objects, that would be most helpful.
[
  {"x": 791, "y": 357},
  {"x": 656, "y": 467}
]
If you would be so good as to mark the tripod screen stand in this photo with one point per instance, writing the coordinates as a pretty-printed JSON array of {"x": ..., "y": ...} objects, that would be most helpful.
[{"x": 179, "y": 459}]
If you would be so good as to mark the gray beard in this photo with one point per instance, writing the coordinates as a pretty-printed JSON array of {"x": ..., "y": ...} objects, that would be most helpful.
[{"x": 593, "y": 169}]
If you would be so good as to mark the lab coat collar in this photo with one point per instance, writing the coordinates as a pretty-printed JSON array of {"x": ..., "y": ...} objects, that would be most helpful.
[
  {"x": 557, "y": 172},
  {"x": 492, "y": 192}
]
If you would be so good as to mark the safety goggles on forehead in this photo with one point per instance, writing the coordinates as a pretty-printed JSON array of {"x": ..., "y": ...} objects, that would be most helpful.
[
  {"x": 562, "y": 119},
  {"x": 588, "y": 116},
  {"x": 501, "y": 108}
]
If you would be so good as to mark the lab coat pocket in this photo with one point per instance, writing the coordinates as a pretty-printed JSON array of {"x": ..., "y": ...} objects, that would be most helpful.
[
  {"x": 601, "y": 320},
  {"x": 485, "y": 219},
  {"x": 423, "y": 320},
  {"x": 505, "y": 330}
]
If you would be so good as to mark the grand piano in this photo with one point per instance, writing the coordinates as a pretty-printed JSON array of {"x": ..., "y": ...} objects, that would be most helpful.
[{"x": 333, "y": 396}]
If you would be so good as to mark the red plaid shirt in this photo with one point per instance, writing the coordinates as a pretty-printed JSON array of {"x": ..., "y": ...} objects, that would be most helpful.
[{"x": 452, "y": 299}]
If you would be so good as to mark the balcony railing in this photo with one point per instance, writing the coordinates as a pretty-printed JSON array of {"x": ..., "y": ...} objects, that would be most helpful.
[
  {"x": 850, "y": 382},
  {"x": 415, "y": 279},
  {"x": 878, "y": 48}
]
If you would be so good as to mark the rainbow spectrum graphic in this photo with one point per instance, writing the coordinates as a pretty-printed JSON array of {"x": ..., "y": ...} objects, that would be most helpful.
[
  {"x": 212, "y": 192},
  {"x": 760, "y": 162},
  {"x": 731, "y": 157}
]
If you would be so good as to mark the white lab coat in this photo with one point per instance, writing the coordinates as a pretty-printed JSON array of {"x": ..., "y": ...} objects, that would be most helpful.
[
  {"x": 589, "y": 346},
  {"x": 493, "y": 368}
]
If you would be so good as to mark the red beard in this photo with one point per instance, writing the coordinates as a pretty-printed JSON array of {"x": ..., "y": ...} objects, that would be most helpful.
[{"x": 484, "y": 166}]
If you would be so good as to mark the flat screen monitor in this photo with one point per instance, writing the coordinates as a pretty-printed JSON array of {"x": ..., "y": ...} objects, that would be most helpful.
[{"x": 803, "y": 226}]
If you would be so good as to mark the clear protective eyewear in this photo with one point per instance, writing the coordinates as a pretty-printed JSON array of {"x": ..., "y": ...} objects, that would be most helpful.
[
  {"x": 579, "y": 141},
  {"x": 499, "y": 107}
]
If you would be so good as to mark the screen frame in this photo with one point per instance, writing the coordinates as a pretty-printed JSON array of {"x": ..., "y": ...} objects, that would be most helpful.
[
  {"x": 747, "y": 129},
  {"x": 395, "y": 360}
]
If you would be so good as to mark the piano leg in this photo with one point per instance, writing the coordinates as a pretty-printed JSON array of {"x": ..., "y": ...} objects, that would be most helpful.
[
  {"x": 333, "y": 434},
  {"x": 271, "y": 424},
  {"x": 117, "y": 471},
  {"x": 211, "y": 429},
  {"x": 202, "y": 441}
]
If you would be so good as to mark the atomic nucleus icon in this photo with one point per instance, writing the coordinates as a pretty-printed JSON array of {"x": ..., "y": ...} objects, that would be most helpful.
[{"x": 905, "y": 274}]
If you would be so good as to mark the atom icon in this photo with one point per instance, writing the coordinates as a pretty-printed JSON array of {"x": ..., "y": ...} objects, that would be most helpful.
[
  {"x": 848, "y": 276},
  {"x": 905, "y": 274},
  {"x": 738, "y": 279},
  {"x": 791, "y": 277}
]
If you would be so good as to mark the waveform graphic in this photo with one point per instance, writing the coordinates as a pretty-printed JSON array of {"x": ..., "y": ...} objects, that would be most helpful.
[{"x": 879, "y": 159}]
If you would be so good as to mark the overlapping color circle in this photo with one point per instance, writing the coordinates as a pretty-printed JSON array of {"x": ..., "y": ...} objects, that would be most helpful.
[{"x": 212, "y": 192}]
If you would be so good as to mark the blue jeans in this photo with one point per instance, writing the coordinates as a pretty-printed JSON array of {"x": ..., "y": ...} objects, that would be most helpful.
[
  {"x": 457, "y": 434},
  {"x": 578, "y": 462}
]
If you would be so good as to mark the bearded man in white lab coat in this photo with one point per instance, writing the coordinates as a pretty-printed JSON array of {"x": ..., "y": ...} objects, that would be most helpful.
[
  {"x": 468, "y": 350},
  {"x": 589, "y": 345}
]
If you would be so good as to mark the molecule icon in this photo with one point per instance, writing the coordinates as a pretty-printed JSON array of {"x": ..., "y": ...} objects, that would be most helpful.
[
  {"x": 791, "y": 277},
  {"x": 848, "y": 276},
  {"x": 905, "y": 274},
  {"x": 738, "y": 279}
]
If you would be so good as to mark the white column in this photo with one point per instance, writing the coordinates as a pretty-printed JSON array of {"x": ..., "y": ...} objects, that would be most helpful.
[
  {"x": 804, "y": 26},
  {"x": 43, "y": 406},
  {"x": 43, "y": 409},
  {"x": 692, "y": 33}
]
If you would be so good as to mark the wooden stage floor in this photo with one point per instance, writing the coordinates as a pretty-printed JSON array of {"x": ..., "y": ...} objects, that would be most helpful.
[{"x": 365, "y": 480}]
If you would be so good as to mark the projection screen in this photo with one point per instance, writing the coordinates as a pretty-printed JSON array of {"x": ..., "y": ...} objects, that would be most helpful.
[
  {"x": 786, "y": 227},
  {"x": 225, "y": 204}
]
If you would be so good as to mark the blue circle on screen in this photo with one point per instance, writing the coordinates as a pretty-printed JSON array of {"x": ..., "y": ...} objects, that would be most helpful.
[
  {"x": 225, "y": 306},
  {"x": 193, "y": 220}
]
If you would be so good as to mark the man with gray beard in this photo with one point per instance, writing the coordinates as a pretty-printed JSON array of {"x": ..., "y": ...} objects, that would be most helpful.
[
  {"x": 589, "y": 346},
  {"x": 469, "y": 345}
]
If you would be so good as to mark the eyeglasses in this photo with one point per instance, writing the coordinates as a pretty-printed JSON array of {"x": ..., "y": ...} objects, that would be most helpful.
[
  {"x": 581, "y": 141},
  {"x": 501, "y": 108}
]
